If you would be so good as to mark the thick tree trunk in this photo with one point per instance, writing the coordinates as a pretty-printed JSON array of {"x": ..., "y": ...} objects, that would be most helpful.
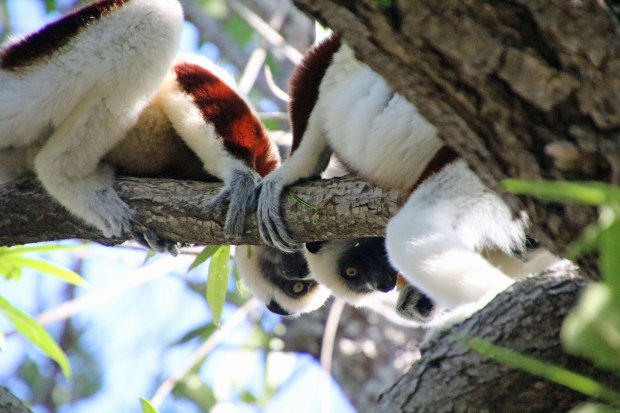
[{"x": 526, "y": 318}]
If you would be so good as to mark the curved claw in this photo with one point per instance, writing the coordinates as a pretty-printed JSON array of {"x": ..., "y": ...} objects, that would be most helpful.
[
  {"x": 221, "y": 198},
  {"x": 242, "y": 200},
  {"x": 271, "y": 226},
  {"x": 149, "y": 239}
]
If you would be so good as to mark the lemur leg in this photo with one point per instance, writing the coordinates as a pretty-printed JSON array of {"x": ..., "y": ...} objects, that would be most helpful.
[
  {"x": 310, "y": 159},
  {"x": 434, "y": 259},
  {"x": 116, "y": 64},
  {"x": 184, "y": 104},
  {"x": 435, "y": 238}
]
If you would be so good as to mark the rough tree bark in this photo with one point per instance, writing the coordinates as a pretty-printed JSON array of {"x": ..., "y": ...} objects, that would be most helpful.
[{"x": 336, "y": 209}]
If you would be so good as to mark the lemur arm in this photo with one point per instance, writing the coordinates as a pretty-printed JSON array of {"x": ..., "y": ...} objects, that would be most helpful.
[
  {"x": 74, "y": 88},
  {"x": 310, "y": 152}
]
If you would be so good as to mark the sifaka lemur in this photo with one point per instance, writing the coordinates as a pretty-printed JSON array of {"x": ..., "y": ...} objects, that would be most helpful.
[{"x": 450, "y": 220}]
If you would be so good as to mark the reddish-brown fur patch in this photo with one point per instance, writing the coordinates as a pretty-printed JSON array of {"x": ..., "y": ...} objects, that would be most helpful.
[
  {"x": 55, "y": 35},
  {"x": 304, "y": 85},
  {"x": 243, "y": 134},
  {"x": 442, "y": 157}
]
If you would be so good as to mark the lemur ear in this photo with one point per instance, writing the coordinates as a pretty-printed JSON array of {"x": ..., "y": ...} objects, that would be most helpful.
[{"x": 315, "y": 246}]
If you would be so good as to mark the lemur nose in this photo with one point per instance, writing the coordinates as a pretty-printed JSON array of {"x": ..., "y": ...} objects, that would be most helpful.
[{"x": 384, "y": 288}]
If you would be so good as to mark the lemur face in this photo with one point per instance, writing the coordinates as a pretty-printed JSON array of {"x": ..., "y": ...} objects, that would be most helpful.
[
  {"x": 281, "y": 280},
  {"x": 289, "y": 273},
  {"x": 352, "y": 269}
]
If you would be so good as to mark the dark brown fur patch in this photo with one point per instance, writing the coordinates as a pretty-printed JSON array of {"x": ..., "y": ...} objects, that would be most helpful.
[
  {"x": 304, "y": 85},
  {"x": 52, "y": 37},
  {"x": 243, "y": 134},
  {"x": 442, "y": 157}
]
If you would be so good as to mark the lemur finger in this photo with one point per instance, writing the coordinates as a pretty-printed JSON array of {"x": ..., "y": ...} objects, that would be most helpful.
[
  {"x": 242, "y": 200},
  {"x": 272, "y": 228},
  {"x": 221, "y": 198}
]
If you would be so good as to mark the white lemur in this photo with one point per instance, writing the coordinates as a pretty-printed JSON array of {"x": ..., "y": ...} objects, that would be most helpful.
[
  {"x": 437, "y": 238},
  {"x": 101, "y": 89},
  {"x": 86, "y": 86}
]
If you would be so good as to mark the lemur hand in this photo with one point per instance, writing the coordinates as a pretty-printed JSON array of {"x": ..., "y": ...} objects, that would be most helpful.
[{"x": 272, "y": 228}]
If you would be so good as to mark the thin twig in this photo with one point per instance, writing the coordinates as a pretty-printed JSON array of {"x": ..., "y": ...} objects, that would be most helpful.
[
  {"x": 265, "y": 30},
  {"x": 275, "y": 89},
  {"x": 138, "y": 277},
  {"x": 327, "y": 351},
  {"x": 257, "y": 59},
  {"x": 201, "y": 352}
]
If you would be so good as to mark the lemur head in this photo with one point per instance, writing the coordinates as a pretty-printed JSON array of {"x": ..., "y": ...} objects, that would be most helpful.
[
  {"x": 352, "y": 269},
  {"x": 281, "y": 280}
]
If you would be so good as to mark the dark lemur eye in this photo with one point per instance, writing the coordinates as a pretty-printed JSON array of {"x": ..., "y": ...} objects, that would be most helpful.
[
  {"x": 298, "y": 288},
  {"x": 351, "y": 272}
]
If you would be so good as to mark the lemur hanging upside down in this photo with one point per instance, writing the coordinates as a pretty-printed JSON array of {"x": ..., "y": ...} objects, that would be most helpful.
[{"x": 438, "y": 238}]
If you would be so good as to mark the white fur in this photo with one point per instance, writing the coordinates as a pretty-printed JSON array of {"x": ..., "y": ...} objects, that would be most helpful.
[
  {"x": 252, "y": 275},
  {"x": 323, "y": 266},
  {"x": 78, "y": 103},
  {"x": 364, "y": 120},
  {"x": 437, "y": 238},
  {"x": 200, "y": 136}
]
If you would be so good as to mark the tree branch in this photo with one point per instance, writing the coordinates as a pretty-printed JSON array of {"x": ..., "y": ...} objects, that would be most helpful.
[
  {"x": 526, "y": 318},
  {"x": 11, "y": 404},
  {"x": 337, "y": 209}
]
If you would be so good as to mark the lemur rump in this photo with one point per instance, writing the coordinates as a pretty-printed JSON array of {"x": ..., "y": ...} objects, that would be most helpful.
[{"x": 450, "y": 218}]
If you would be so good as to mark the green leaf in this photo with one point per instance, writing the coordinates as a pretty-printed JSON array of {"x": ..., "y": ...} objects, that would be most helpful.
[
  {"x": 39, "y": 248},
  {"x": 237, "y": 28},
  {"x": 203, "y": 332},
  {"x": 30, "y": 329},
  {"x": 147, "y": 407},
  {"x": 302, "y": 201},
  {"x": 219, "y": 269},
  {"x": 610, "y": 247},
  {"x": 593, "y": 408},
  {"x": 588, "y": 241},
  {"x": 149, "y": 255},
  {"x": 592, "y": 329},
  {"x": 45, "y": 267},
  {"x": 204, "y": 255},
  {"x": 559, "y": 375},
  {"x": 589, "y": 193},
  {"x": 8, "y": 271}
]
